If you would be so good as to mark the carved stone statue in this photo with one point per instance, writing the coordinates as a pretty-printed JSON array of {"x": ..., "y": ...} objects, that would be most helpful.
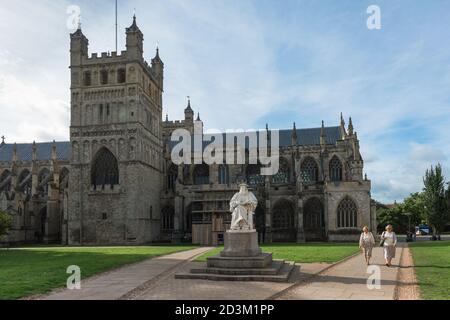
[{"x": 242, "y": 206}]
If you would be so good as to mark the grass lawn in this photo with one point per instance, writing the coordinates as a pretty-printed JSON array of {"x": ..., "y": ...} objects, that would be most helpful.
[
  {"x": 30, "y": 271},
  {"x": 432, "y": 266},
  {"x": 306, "y": 253}
]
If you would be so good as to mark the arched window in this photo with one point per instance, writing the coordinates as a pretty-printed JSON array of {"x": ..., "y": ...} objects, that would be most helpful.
[
  {"x": 25, "y": 178},
  {"x": 283, "y": 175},
  {"x": 283, "y": 215},
  {"x": 335, "y": 169},
  {"x": 121, "y": 76},
  {"x": 224, "y": 174},
  {"x": 43, "y": 179},
  {"x": 105, "y": 170},
  {"x": 201, "y": 174},
  {"x": 309, "y": 170},
  {"x": 347, "y": 214},
  {"x": 313, "y": 214},
  {"x": 5, "y": 181},
  {"x": 104, "y": 77},
  {"x": 167, "y": 218},
  {"x": 172, "y": 176}
]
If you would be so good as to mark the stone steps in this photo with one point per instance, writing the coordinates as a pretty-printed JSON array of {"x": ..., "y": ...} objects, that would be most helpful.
[
  {"x": 274, "y": 269},
  {"x": 282, "y": 276},
  {"x": 263, "y": 260}
]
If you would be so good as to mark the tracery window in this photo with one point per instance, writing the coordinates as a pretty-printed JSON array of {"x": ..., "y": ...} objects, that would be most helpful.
[
  {"x": 347, "y": 214},
  {"x": 309, "y": 170},
  {"x": 335, "y": 169},
  {"x": 283, "y": 215},
  {"x": 87, "y": 78},
  {"x": 283, "y": 175},
  {"x": 313, "y": 214},
  {"x": 105, "y": 170}
]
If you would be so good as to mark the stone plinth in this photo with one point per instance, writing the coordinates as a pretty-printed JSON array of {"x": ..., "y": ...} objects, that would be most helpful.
[
  {"x": 241, "y": 244},
  {"x": 241, "y": 260}
]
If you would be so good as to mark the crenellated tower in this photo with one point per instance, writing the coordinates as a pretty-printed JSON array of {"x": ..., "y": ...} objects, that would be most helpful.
[{"x": 116, "y": 143}]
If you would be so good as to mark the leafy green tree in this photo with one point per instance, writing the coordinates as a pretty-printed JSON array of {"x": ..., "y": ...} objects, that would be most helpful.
[
  {"x": 435, "y": 199},
  {"x": 414, "y": 205},
  {"x": 5, "y": 224}
]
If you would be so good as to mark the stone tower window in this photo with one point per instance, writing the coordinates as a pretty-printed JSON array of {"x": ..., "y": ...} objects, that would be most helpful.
[
  {"x": 309, "y": 170},
  {"x": 104, "y": 77},
  {"x": 335, "y": 169},
  {"x": 224, "y": 174},
  {"x": 167, "y": 218},
  {"x": 172, "y": 177},
  {"x": 121, "y": 76},
  {"x": 87, "y": 78},
  {"x": 347, "y": 214},
  {"x": 105, "y": 170}
]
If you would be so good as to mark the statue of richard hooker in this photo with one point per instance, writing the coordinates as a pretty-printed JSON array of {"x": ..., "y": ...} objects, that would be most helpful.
[{"x": 242, "y": 206}]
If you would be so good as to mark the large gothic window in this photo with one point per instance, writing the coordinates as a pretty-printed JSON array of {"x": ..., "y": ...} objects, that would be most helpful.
[
  {"x": 347, "y": 214},
  {"x": 283, "y": 215},
  {"x": 201, "y": 174},
  {"x": 335, "y": 169},
  {"x": 224, "y": 174},
  {"x": 283, "y": 175},
  {"x": 313, "y": 214},
  {"x": 105, "y": 170},
  {"x": 309, "y": 170},
  {"x": 167, "y": 218},
  {"x": 5, "y": 181},
  {"x": 25, "y": 178}
]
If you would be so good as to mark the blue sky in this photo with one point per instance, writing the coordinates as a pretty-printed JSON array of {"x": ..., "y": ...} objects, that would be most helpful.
[{"x": 248, "y": 63}]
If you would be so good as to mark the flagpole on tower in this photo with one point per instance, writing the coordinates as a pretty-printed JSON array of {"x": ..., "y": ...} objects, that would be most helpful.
[{"x": 116, "y": 26}]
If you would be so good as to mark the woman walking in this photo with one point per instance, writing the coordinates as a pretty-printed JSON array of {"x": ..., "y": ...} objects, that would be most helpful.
[
  {"x": 389, "y": 240},
  {"x": 366, "y": 243}
]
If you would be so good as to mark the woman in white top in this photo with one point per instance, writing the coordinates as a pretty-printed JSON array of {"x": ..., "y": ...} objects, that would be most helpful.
[
  {"x": 389, "y": 243},
  {"x": 366, "y": 243}
]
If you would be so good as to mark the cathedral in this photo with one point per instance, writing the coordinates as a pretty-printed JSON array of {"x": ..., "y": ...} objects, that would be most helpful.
[{"x": 114, "y": 182}]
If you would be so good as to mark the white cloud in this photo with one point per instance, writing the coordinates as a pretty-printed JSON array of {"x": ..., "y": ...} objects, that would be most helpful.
[{"x": 428, "y": 153}]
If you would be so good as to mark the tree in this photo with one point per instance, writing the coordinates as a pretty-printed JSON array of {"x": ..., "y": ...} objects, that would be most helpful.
[
  {"x": 414, "y": 205},
  {"x": 435, "y": 199},
  {"x": 5, "y": 224}
]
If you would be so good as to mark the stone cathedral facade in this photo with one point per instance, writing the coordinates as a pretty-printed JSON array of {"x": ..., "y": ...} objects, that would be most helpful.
[{"x": 114, "y": 182}]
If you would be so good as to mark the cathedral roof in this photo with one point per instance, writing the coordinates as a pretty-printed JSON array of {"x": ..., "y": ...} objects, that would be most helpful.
[
  {"x": 43, "y": 151},
  {"x": 305, "y": 137}
]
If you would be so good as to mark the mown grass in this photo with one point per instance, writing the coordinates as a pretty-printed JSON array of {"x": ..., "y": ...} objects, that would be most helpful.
[
  {"x": 306, "y": 253},
  {"x": 432, "y": 266},
  {"x": 37, "y": 270}
]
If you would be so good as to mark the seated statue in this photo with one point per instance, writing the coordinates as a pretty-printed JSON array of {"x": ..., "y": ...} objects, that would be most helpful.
[{"x": 242, "y": 206}]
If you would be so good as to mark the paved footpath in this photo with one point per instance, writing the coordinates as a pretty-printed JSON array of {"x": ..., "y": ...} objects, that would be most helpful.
[
  {"x": 120, "y": 283},
  {"x": 154, "y": 280},
  {"x": 348, "y": 281}
]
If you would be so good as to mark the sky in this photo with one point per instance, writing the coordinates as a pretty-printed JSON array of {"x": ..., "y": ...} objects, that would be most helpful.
[{"x": 245, "y": 63}]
